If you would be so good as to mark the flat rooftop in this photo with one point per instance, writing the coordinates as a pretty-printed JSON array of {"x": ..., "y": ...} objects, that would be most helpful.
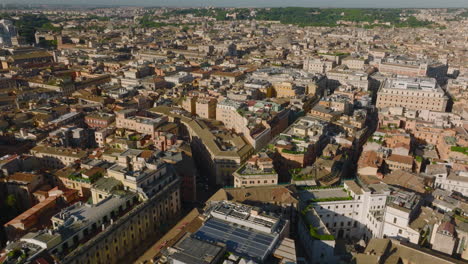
[
  {"x": 194, "y": 251},
  {"x": 403, "y": 200},
  {"x": 323, "y": 194},
  {"x": 250, "y": 244},
  {"x": 87, "y": 212},
  {"x": 411, "y": 83},
  {"x": 65, "y": 117}
]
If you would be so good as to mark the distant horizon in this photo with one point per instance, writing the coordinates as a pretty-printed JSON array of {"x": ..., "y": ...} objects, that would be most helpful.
[{"x": 418, "y": 4}]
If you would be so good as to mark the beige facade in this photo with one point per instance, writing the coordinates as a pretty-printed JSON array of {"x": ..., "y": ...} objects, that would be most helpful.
[
  {"x": 403, "y": 69},
  {"x": 354, "y": 63},
  {"x": 284, "y": 89},
  {"x": 226, "y": 112},
  {"x": 188, "y": 104},
  {"x": 317, "y": 65},
  {"x": 412, "y": 93},
  {"x": 399, "y": 162},
  {"x": 101, "y": 135},
  {"x": 206, "y": 108},
  {"x": 145, "y": 125},
  {"x": 123, "y": 239},
  {"x": 56, "y": 157},
  {"x": 257, "y": 171}
]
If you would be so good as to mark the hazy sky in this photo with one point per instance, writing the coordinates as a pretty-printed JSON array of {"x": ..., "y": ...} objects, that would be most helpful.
[{"x": 262, "y": 3}]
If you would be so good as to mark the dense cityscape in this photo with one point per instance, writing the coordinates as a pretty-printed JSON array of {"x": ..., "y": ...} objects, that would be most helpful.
[{"x": 210, "y": 135}]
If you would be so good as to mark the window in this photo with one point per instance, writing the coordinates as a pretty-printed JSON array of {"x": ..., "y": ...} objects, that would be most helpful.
[{"x": 394, "y": 220}]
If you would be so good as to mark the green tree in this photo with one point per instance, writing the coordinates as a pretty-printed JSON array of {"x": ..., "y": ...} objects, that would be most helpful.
[
  {"x": 28, "y": 24},
  {"x": 11, "y": 201}
]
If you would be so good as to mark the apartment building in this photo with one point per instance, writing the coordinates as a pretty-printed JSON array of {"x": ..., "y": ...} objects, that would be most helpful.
[
  {"x": 146, "y": 179},
  {"x": 337, "y": 103},
  {"x": 106, "y": 231},
  {"x": 400, "y": 162},
  {"x": 113, "y": 224},
  {"x": 146, "y": 125},
  {"x": 317, "y": 65},
  {"x": 412, "y": 68},
  {"x": 343, "y": 76},
  {"x": 257, "y": 171},
  {"x": 307, "y": 82},
  {"x": 300, "y": 143},
  {"x": 285, "y": 90},
  {"x": 416, "y": 70},
  {"x": 206, "y": 108},
  {"x": 324, "y": 113},
  {"x": 179, "y": 78},
  {"x": 258, "y": 123},
  {"x": 31, "y": 218},
  {"x": 72, "y": 179},
  {"x": 354, "y": 63},
  {"x": 219, "y": 152},
  {"x": 454, "y": 181},
  {"x": 57, "y": 157},
  {"x": 67, "y": 119},
  {"x": 401, "y": 209},
  {"x": 189, "y": 104},
  {"x": 354, "y": 211},
  {"x": 226, "y": 112},
  {"x": 412, "y": 93},
  {"x": 366, "y": 211},
  {"x": 23, "y": 185},
  {"x": 26, "y": 59},
  {"x": 99, "y": 120},
  {"x": 230, "y": 77},
  {"x": 101, "y": 135}
]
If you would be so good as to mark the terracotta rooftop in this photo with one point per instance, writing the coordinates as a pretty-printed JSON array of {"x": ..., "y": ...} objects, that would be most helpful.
[
  {"x": 405, "y": 179},
  {"x": 369, "y": 159},
  {"x": 401, "y": 159},
  {"x": 22, "y": 177},
  {"x": 269, "y": 194},
  {"x": 447, "y": 227}
]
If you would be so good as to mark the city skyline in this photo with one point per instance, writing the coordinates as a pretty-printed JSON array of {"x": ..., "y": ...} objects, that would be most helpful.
[
  {"x": 134, "y": 134},
  {"x": 259, "y": 4}
]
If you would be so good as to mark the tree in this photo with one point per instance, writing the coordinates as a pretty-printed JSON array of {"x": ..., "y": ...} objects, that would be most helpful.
[
  {"x": 11, "y": 201},
  {"x": 29, "y": 23}
]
